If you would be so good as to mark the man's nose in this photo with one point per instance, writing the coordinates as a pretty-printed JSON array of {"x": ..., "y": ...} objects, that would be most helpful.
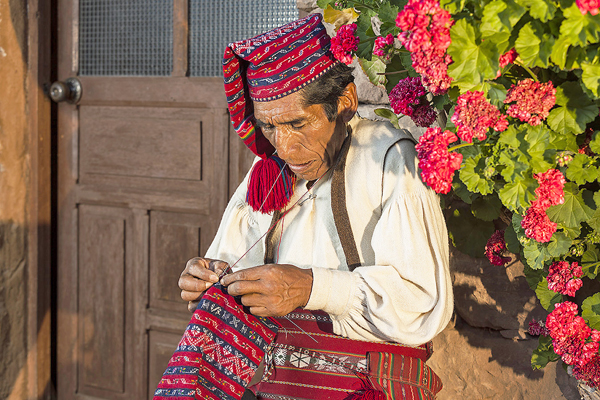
[{"x": 283, "y": 142}]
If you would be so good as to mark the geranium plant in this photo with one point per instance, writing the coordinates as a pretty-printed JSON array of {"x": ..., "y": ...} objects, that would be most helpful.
[{"x": 519, "y": 83}]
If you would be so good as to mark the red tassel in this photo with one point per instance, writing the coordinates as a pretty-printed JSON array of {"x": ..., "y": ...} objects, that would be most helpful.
[
  {"x": 270, "y": 188},
  {"x": 368, "y": 392}
]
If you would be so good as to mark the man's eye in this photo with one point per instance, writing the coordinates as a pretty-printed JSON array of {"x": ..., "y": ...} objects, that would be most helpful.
[{"x": 297, "y": 126}]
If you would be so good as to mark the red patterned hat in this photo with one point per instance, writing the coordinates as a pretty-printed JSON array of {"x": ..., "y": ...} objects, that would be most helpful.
[{"x": 265, "y": 68}]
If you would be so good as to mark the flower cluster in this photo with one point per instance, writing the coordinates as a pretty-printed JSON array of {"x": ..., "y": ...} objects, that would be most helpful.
[
  {"x": 533, "y": 101},
  {"x": 474, "y": 115},
  {"x": 589, "y": 373},
  {"x": 408, "y": 98},
  {"x": 344, "y": 43},
  {"x": 564, "y": 278},
  {"x": 537, "y": 328},
  {"x": 381, "y": 43},
  {"x": 508, "y": 58},
  {"x": 426, "y": 34},
  {"x": 436, "y": 162},
  {"x": 593, "y": 6},
  {"x": 536, "y": 223},
  {"x": 570, "y": 335},
  {"x": 495, "y": 247}
]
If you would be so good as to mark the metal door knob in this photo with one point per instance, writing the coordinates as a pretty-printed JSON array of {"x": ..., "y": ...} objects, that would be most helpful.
[{"x": 69, "y": 91}]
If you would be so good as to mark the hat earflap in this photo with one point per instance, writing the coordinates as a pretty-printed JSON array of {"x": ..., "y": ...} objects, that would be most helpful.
[{"x": 271, "y": 185}]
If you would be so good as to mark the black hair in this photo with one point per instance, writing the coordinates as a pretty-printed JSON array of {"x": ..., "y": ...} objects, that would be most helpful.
[{"x": 328, "y": 89}]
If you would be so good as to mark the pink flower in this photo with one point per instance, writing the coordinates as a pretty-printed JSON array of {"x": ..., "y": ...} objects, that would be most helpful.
[
  {"x": 508, "y": 58},
  {"x": 426, "y": 34},
  {"x": 344, "y": 43},
  {"x": 589, "y": 373},
  {"x": 474, "y": 115},
  {"x": 424, "y": 115},
  {"x": 537, "y": 225},
  {"x": 569, "y": 334},
  {"x": 406, "y": 95},
  {"x": 564, "y": 277},
  {"x": 381, "y": 43},
  {"x": 537, "y": 328},
  {"x": 533, "y": 101},
  {"x": 495, "y": 247},
  {"x": 550, "y": 192},
  {"x": 436, "y": 163},
  {"x": 593, "y": 6}
]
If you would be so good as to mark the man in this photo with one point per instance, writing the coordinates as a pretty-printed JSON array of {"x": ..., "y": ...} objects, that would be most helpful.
[{"x": 356, "y": 255}]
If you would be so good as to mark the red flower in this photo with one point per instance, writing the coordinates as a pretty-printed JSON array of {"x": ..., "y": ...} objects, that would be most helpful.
[
  {"x": 550, "y": 192},
  {"x": 495, "y": 247},
  {"x": 537, "y": 225},
  {"x": 381, "y": 43},
  {"x": 424, "y": 115},
  {"x": 426, "y": 34},
  {"x": 569, "y": 334},
  {"x": 436, "y": 163},
  {"x": 589, "y": 372},
  {"x": 593, "y": 6},
  {"x": 406, "y": 95},
  {"x": 533, "y": 101},
  {"x": 564, "y": 277},
  {"x": 507, "y": 58},
  {"x": 344, "y": 43},
  {"x": 537, "y": 328},
  {"x": 474, "y": 115}
]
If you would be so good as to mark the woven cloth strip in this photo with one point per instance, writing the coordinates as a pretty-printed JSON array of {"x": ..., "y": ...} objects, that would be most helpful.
[{"x": 219, "y": 353}]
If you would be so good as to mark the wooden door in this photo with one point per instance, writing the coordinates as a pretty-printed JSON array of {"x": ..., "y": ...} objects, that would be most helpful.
[{"x": 147, "y": 160}]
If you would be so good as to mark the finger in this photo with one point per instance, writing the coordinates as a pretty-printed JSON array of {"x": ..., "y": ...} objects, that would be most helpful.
[
  {"x": 192, "y": 305},
  {"x": 249, "y": 274},
  {"x": 201, "y": 271},
  {"x": 260, "y": 311},
  {"x": 191, "y": 296},
  {"x": 193, "y": 284},
  {"x": 242, "y": 288},
  {"x": 218, "y": 266},
  {"x": 253, "y": 300}
]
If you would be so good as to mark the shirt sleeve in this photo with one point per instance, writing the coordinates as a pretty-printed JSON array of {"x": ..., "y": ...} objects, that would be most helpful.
[{"x": 406, "y": 297}]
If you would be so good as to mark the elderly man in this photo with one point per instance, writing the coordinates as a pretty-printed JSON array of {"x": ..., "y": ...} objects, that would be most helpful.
[{"x": 332, "y": 228}]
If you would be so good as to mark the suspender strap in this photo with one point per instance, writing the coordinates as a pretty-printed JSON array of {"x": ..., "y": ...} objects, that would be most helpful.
[{"x": 340, "y": 211}]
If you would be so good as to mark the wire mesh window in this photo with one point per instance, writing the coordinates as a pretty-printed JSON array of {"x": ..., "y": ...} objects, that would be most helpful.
[
  {"x": 216, "y": 23},
  {"x": 133, "y": 37}
]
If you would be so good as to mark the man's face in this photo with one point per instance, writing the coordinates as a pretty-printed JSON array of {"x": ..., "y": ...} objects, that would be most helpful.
[{"x": 302, "y": 135}]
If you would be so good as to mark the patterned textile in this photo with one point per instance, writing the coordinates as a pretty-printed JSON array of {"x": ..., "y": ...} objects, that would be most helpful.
[
  {"x": 333, "y": 367},
  {"x": 220, "y": 350},
  {"x": 270, "y": 66}
]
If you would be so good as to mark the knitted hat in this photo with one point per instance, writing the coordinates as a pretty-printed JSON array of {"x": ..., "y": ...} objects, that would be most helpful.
[{"x": 265, "y": 68}]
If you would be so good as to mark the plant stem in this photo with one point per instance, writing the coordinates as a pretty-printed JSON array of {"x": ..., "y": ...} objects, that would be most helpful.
[
  {"x": 526, "y": 68},
  {"x": 458, "y": 146},
  {"x": 392, "y": 73}
]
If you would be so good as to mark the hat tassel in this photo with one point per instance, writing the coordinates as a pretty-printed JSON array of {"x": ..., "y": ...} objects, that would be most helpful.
[{"x": 271, "y": 185}]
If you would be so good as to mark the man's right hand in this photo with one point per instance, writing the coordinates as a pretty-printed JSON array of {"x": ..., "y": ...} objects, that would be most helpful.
[{"x": 199, "y": 274}]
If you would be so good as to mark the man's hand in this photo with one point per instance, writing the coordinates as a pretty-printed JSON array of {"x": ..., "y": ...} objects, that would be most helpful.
[
  {"x": 199, "y": 274},
  {"x": 271, "y": 290}
]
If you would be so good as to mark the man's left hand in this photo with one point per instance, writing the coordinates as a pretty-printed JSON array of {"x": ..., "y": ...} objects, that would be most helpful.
[{"x": 271, "y": 290}]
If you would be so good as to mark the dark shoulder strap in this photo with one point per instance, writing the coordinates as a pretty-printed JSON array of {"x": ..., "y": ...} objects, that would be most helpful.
[
  {"x": 340, "y": 211},
  {"x": 269, "y": 242}
]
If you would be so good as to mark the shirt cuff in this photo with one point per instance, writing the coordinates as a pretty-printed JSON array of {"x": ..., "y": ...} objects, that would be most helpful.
[{"x": 332, "y": 291}]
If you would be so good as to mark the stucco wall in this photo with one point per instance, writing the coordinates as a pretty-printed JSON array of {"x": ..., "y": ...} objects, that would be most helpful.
[{"x": 13, "y": 198}]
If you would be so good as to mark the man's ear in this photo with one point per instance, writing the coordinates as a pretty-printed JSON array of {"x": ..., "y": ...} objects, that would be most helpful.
[{"x": 348, "y": 103}]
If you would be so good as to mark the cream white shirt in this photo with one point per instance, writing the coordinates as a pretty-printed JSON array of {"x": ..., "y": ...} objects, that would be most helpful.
[{"x": 402, "y": 291}]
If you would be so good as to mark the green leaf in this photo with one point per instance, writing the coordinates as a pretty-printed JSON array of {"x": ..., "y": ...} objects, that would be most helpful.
[
  {"x": 469, "y": 234},
  {"x": 511, "y": 137},
  {"x": 559, "y": 244},
  {"x": 579, "y": 28},
  {"x": 591, "y": 311},
  {"x": 559, "y": 51},
  {"x": 581, "y": 170},
  {"x": 452, "y": 6},
  {"x": 512, "y": 242},
  {"x": 364, "y": 31},
  {"x": 372, "y": 69},
  {"x": 533, "y": 276},
  {"x": 474, "y": 60},
  {"x": 472, "y": 175},
  {"x": 591, "y": 77},
  {"x": 563, "y": 141},
  {"x": 495, "y": 92},
  {"x": 387, "y": 14},
  {"x": 386, "y": 113},
  {"x": 395, "y": 65},
  {"x": 543, "y": 354},
  {"x": 486, "y": 208},
  {"x": 575, "y": 109},
  {"x": 548, "y": 298},
  {"x": 324, "y": 3},
  {"x": 595, "y": 143},
  {"x": 590, "y": 262},
  {"x": 536, "y": 254},
  {"x": 517, "y": 196},
  {"x": 543, "y": 10},
  {"x": 573, "y": 211},
  {"x": 499, "y": 18},
  {"x": 534, "y": 46}
]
